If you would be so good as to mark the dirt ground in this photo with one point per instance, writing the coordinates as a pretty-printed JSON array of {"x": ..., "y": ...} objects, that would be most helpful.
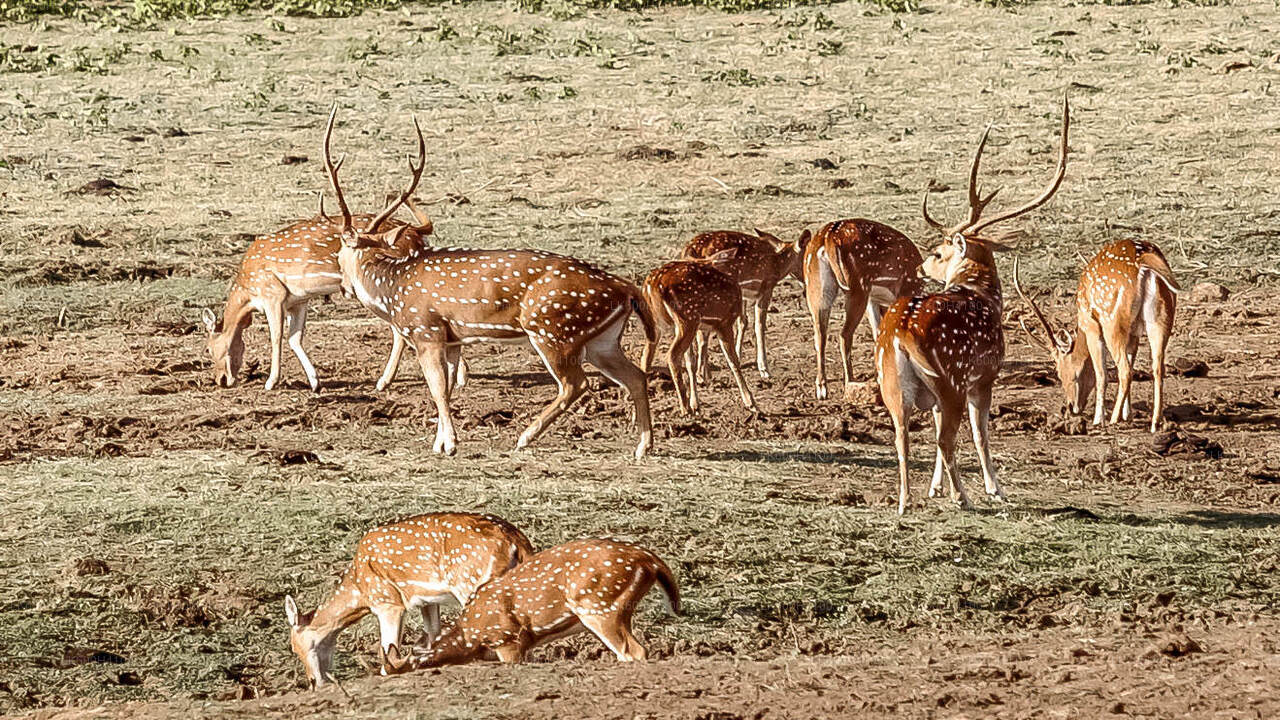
[{"x": 153, "y": 523}]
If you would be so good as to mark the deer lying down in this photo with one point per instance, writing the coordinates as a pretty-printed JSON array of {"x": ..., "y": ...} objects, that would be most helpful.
[
  {"x": 583, "y": 584},
  {"x": 420, "y": 561}
]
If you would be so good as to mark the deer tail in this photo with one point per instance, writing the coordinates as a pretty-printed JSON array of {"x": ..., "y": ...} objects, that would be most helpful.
[
  {"x": 836, "y": 260},
  {"x": 667, "y": 581}
]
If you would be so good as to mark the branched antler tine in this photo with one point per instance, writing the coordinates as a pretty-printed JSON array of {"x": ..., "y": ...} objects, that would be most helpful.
[
  {"x": 333, "y": 171},
  {"x": 416, "y": 172},
  {"x": 323, "y": 214},
  {"x": 1053, "y": 186},
  {"x": 1050, "y": 336},
  {"x": 975, "y": 201},
  {"x": 924, "y": 208}
]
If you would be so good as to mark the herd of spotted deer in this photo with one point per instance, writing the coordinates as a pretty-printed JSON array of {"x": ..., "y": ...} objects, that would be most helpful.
[{"x": 940, "y": 351}]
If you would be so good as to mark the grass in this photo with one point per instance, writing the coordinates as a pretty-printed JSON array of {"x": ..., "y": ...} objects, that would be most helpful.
[{"x": 201, "y": 550}]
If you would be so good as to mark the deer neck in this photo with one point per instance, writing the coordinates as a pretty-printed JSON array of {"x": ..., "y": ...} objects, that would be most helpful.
[
  {"x": 362, "y": 268},
  {"x": 980, "y": 279},
  {"x": 237, "y": 312},
  {"x": 344, "y": 608}
]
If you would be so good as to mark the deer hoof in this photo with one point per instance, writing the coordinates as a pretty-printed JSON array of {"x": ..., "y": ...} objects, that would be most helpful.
[{"x": 821, "y": 392}]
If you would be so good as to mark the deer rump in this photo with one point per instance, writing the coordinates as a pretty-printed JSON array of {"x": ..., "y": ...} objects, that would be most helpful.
[{"x": 919, "y": 383}]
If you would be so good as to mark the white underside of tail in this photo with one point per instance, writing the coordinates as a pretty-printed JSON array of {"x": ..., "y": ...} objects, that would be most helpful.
[
  {"x": 1149, "y": 282},
  {"x": 827, "y": 267},
  {"x": 913, "y": 380}
]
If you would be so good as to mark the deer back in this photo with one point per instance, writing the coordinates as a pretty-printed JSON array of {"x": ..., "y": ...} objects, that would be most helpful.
[
  {"x": 867, "y": 254},
  {"x": 761, "y": 260},
  {"x": 452, "y": 553},
  {"x": 692, "y": 290}
]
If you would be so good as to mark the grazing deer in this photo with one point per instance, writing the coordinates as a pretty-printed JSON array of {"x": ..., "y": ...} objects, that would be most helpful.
[
  {"x": 441, "y": 298},
  {"x": 872, "y": 264},
  {"x": 279, "y": 276},
  {"x": 761, "y": 261},
  {"x": 591, "y": 584},
  {"x": 1127, "y": 290},
  {"x": 695, "y": 298},
  {"x": 421, "y": 561},
  {"x": 943, "y": 350}
]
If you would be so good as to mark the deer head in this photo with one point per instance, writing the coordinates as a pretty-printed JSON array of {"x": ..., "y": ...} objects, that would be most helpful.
[
  {"x": 790, "y": 255},
  {"x": 311, "y": 647},
  {"x": 225, "y": 348},
  {"x": 1070, "y": 357},
  {"x": 965, "y": 242}
]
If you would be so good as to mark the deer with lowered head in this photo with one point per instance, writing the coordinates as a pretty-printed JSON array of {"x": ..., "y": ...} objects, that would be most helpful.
[
  {"x": 695, "y": 297},
  {"x": 758, "y": 264},
  {"x": 439, "y": 299},
  {"x": 1126, "y": 291},
  {"x": 581, "y": 585},
  {"x": 867, "y": 262},
  {"x": 942, "y": 351},
  {"x": 419, "y": 562}
]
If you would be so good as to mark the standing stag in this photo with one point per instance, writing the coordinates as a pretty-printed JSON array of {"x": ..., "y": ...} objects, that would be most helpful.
[
  {"x": 943, "y": 350},
  {"x": 759, "y": 263},
  {"x": 421, "y": 561},
  {"x": 695, "y": 298},
  {"x": 872, "y": 264},
  {"x": 280, "y": 274},
  {"x": 441, "y": 298},
  {"x": 1127, "y": 290},
  {"x": 584, "y": 584}
]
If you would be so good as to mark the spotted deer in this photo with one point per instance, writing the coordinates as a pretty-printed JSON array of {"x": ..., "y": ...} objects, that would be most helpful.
[
  {"x": 439, "y": 299},
  {"x": 1126, "y": 291},
  {"x": 583, "y": 584},
  {"x": 419, "y": 562},
  {"x": 280, "y": 274},
  {"x": 942, "y": 351},
  {"x": 695, "y": 298},
  {"x": 868, "y": 262},
  {"x": 759, "y": 263}
]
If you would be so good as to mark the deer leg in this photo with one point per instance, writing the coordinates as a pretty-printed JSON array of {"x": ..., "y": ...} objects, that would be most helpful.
[
  {"x": 676, "y": 361},
  {"x": 690, "y": 366},
  {"x": 874, "y": 313},
  {"x": 703, "y": 364},
  {"x": 274, "y": 311},
  {"x": 457, "y": 368},
  {"x": 902, "y": 442},
  {"x": 510, "y": 654},
  {"x": 725, "y": 335},
  {"x": 1098, "y": 356},
  {"x": 389, "y": 619},
  {"x": 609, "y": 630},
  {"x": 951, "y": 418},
  {"x": 980, "y": 424},
  {"x": 935, "y": 485},
  {"x": 605, "y": 352},
  {"x": 740, "y": 328},
  {"x": 762, "y": 313},
  {"x": 297, "y": 316},
  {"x": 393, "y": 362},
  {"x": 820, "y": 294},
  {"x": 431, "y": 356},
  {"x": 1124, "y": 374},
  {"x": 431, "y": 622},
  {"x": 1158, "y": 338},
  {"x": 855, "y": 304},
  {"x": 566, "y": 368}
]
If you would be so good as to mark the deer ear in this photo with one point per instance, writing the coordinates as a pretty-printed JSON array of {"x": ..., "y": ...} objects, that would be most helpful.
[
  {"x": 210, "y": 321},
  {"x": 291, "y": 611},
  {"x": 960, "y": 244},
  {"x": 767, "y": 236},
  {"x": 803, "y": 241}
]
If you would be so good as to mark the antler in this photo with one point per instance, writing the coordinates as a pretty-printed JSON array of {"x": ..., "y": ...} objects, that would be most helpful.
[
  {"x": 1048, "y": 192},
  {"x": 977, "y": 203},
  {"x": 413, "y": 184},
  {"x": 323, "y": 214},
  {"x": 333, "y": 173},
  {"x": 1050, "y": 332}
]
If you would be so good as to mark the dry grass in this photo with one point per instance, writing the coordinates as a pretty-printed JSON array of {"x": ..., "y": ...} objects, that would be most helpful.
[{"x": 784, "y": 544}]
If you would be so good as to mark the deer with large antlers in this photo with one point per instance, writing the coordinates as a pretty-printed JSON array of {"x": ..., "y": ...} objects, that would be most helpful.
[
  {"x": 421, "y": 561},
  {"x": 581, "y": 585},
  {"x": 759, "y": 263},
  {"x": 1127, "y": 290},
  {"x": 695, "y": 298},
  {"x": 441, "y": 298},
  {"x": 868, "y": 262},
  {"x": 281, "y": 273},
  {"x": 943, "y": 351}
]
